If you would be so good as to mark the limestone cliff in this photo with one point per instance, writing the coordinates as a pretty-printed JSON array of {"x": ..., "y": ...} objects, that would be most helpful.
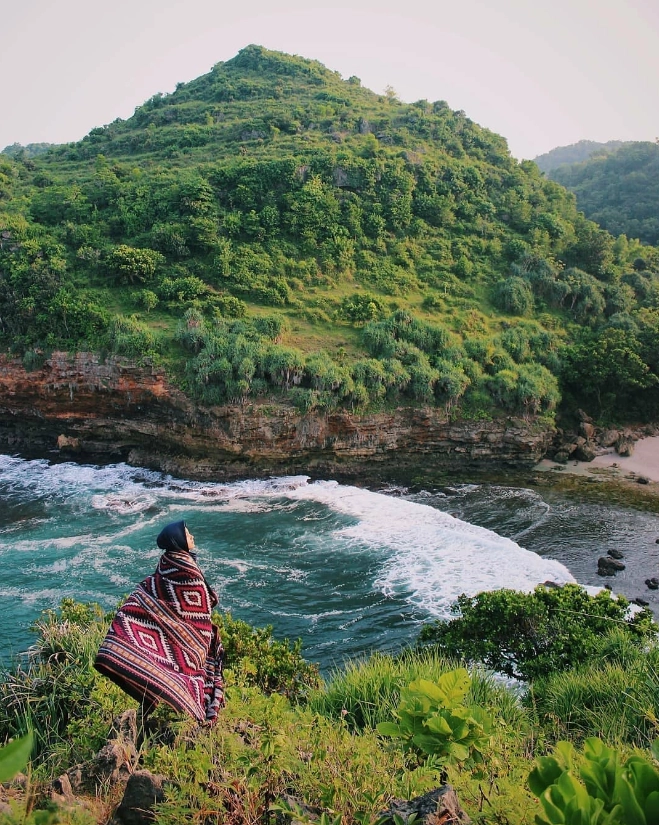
[{"x": 116, "y": 410}]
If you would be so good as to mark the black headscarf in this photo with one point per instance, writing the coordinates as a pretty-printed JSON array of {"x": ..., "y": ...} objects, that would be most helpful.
[{"x": 172, "y": 538}]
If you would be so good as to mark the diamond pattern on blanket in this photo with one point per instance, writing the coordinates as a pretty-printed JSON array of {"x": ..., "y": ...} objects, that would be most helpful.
[
  {"x": 162, "y": 644},
  {"x": 148, "y": 636}
]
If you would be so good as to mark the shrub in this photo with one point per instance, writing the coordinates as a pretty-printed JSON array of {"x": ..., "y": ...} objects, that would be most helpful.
[
  {"x": 361, "y": 308},
  {"x": 432, "y": 303},
  {"x": 228, "y": 306},
  {"x": 148, "y": 299},
  {"x": 613, "y": 695},
  {"x": 129, "y": 337},
  {"x": 610, "y": 791},
  {"x": 128, "y": 264},
  {"x": 256, "y": 659},
  {"x": 433, "y": 720},
  {"x": 183, "y": 289},
  {"x": 513, "y": 295},
  {"x": 56, "y": 693},
  {"x": 527, "y": 635}
]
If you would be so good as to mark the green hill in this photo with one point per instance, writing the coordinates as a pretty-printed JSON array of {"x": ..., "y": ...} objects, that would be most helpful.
[
  {"x": 272, "y": 229},
  {"x": 619, "y": 190},
  {"x": 30, "y": 150},
  {"x": 575, "y": 153}
]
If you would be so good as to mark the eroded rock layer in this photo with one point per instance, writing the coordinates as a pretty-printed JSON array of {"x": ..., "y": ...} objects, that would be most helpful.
[{"x": 114, "y": 409}]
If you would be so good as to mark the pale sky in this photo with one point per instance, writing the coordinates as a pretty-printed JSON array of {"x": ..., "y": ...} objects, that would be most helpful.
[{"x": 542, "y": 73}]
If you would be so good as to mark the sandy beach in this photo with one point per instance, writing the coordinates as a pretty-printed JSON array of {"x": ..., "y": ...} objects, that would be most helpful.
[{"x": 642, "y": 465}]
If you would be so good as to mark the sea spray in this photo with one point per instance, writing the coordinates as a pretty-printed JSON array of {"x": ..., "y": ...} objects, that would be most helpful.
[{"x": 345, "y": 568}]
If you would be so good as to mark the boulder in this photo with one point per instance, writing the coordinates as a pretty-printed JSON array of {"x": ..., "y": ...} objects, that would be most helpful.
[
  {"x": 434, "y": 807},
  {"x": 143, "y": 791},
  {"x": 642, "y": 480},
  {"x": 62, "y": 792},
  {"x": 615, "y": 554},
  {"x": 561, "y": 457},
  {"x": 608, "y": 438},
  {"x": 606, "y": 566},
  {"x": 585, "y": 452},
  {"x": 66, "y": 444},
  {"x": 587, "y": 430},
  {"x": 653, "y": 583},
  {"x": 115, "y": 761},
  {"x": 625, "y": 445}
]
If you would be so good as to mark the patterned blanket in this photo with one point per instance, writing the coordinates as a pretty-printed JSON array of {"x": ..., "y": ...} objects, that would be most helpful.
[{"x": 161, "y": 644}]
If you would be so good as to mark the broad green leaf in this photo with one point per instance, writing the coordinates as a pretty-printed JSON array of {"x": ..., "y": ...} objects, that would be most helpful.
[
  {"x": 437, "y": 724},
  {"x": 599, "y": 783},
  {"x": 479, "y": 716},
  {"x": 642, "y": 776},
  {"x": 564, "y": 753},
  {"x": 459, "y": 727},
  {"x": 651, "y": 807},
  {"x": 632, "y": 811},
  {"x": 15, "y": 756},
  {"x": 431, "y": 745},
  {"x": 594, "y": 748},
  {"x": 388, "y": 729},
  {"x": 545, "y": 773},
  {"x": 454, "y": 686},
  {"x": 427, "y": 689},
  {"x": 571, "y": 787},
  {"x": 458, "y": 751},
  {"x": 553, "y": 812}
]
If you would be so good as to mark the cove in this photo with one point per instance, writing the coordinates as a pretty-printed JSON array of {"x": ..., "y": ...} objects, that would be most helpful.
[{"x": 347, "y": 569}]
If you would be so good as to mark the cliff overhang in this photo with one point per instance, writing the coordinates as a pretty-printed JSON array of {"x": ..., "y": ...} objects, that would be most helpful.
[{"x": 114, "y": 409}]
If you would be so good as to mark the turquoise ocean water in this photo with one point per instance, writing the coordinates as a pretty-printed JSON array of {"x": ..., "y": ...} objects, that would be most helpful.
[{"x": 347, "y": 569}]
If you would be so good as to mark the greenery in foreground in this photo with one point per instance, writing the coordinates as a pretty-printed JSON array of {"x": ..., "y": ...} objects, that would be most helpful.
[
  {"x": 578, "y": 738},
  {"x": 272, "y": 230}
]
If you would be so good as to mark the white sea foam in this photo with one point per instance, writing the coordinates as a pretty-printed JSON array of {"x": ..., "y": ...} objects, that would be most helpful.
[
  {"x": 428, "y": 556},
  {"x": 424, "y": 555},
  {"x": 123, "y": 505}
]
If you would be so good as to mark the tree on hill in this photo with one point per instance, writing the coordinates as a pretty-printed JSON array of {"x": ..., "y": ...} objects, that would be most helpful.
[
  {"x": 619, "y": 190},
  {"x": 30, "y": 150},
  {"x": 575, "y": 153},
  {"x": 413, "y": 258}
]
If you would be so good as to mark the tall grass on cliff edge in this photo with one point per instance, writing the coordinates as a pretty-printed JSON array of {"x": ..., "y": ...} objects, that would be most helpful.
[
  {"x": 367, "y": 691},
  {"x": 615, "y": 696},
  {"x": 55, "y": 691}
]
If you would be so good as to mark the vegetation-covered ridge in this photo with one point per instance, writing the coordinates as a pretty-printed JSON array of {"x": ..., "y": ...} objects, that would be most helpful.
[
  {"x": 270, "y": 229},
  {"x": 618, "y": 189},
  {"x": 577, "y": 735},
  {"x": 576, "y": 153}
]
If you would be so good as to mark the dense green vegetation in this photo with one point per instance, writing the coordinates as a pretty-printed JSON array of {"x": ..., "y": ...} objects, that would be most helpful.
[
  {"x": 271, "y": 229},
  {"x": 575, "y": 153},
  {"x": 532, "y": 635},
  {"x": 386, "y": 726},
  {"x": 30, "y": 150},
  {"x": 619, "y": 190}
]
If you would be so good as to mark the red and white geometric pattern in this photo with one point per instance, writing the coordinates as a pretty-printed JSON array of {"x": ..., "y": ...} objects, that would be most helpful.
[{"x": 162, "y": 643}]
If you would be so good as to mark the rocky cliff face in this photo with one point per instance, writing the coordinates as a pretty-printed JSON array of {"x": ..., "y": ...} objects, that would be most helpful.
[{"x": 115, "y": 410}]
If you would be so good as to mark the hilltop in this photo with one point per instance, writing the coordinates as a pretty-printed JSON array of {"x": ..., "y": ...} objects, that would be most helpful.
[
  {"x": 576, "y": 153},
  {"x": 618, "y": 189},
  {"x": 271, "y": 230}
]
